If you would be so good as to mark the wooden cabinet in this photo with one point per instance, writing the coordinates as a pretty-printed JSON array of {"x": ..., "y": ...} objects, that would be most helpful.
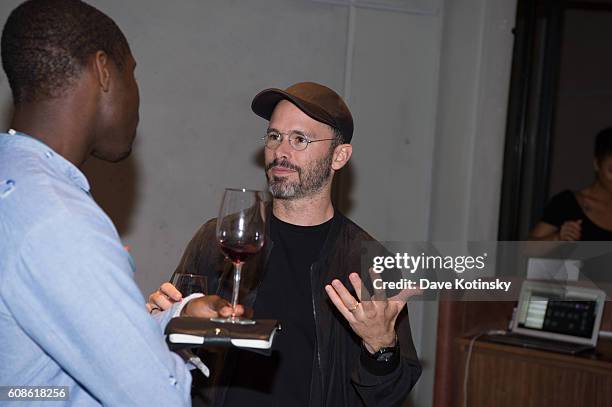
[{"x": 503, "y": 375}]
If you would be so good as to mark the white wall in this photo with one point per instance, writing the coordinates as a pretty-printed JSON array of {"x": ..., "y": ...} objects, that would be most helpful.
[
  {"x": 470, "y": 126},
  {"x": 428, "y": 91}
]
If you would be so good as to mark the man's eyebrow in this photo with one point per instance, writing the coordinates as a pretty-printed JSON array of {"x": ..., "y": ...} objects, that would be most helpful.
[{"x": 298, "y": 132}]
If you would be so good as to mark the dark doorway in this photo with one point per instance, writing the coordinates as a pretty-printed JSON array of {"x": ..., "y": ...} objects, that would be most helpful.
[{"x": 561, "y": 96}]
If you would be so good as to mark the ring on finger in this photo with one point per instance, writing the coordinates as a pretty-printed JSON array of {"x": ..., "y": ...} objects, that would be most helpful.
[{"x": 354, "y": 307}]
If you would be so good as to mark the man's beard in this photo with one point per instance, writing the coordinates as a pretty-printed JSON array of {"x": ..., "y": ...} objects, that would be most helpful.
[{"x": 310, "y": 179}]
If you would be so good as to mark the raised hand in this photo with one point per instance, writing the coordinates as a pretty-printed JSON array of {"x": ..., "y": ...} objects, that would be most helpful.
[{"x": 373, "y": 319}]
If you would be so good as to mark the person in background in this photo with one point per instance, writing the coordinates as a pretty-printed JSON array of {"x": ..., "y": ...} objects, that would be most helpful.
[
  {"x": 586, "y": 214},
  {"x": 71, "y": 314},
  {"x": 334, "y": 349}
]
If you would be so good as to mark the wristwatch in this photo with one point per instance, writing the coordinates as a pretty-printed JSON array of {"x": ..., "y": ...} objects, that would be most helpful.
[{"x": 384, "y": 354}]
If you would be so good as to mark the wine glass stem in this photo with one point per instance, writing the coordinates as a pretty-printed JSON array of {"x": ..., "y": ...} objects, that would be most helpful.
[{"x": 237, "y": 271}]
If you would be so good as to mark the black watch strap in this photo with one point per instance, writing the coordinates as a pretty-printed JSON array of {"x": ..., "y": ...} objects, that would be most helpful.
[
  {"x": 384, "y": 354},
  {"x": 381, "y": 362}
]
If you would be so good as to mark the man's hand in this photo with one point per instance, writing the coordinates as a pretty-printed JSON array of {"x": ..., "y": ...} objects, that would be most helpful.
[
  {"x": 373, "y": 319},
  {"x": 209, "y": 306},
  {"x": 163, "y": 298}
]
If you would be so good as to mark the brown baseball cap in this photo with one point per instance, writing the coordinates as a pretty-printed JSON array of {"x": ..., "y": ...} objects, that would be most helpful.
[{"x": 317, "y": 101}]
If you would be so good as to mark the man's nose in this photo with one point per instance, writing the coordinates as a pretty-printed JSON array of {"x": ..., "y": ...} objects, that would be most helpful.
[{"x": 284, "y": 150}]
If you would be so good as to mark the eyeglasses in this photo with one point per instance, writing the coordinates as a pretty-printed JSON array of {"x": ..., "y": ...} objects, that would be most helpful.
[{"x": 297, "y": 140}]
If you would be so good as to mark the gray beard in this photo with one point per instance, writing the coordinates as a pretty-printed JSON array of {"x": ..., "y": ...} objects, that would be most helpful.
[{"x": 310, "y": 181}]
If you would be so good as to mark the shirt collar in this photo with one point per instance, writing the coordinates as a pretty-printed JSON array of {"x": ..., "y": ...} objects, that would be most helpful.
[{"x": 57, "y": 161}]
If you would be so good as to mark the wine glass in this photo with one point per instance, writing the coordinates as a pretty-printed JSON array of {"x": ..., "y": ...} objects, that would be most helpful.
[
  {"x": 240, "y": 235},
  {"x": 188, "y": 284}
]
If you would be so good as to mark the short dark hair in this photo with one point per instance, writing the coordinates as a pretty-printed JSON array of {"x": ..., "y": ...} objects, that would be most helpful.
[
  {"x": 46, "y": 44},
  {"x": 338, "y": 137},
  {"x": 603, "y": 144}
]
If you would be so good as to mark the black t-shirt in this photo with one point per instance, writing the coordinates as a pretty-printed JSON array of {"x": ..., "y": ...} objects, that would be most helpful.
[
  {"x": 564, "y": 207},
  {"x": 283, "y": 379}
]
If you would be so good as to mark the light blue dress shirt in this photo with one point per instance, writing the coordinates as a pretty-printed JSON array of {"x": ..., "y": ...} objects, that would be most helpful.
[{"x": 70, "y": 312}]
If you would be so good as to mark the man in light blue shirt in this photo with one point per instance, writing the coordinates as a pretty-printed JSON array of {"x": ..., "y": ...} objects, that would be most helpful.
[{"x": 70, "y": 312}]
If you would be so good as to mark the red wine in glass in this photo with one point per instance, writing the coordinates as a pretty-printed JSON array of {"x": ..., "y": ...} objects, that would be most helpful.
[{"x": 237, "y": 251}]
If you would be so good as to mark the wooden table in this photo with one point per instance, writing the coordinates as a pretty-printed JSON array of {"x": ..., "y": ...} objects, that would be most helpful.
[{"x": 503, "y": 375}]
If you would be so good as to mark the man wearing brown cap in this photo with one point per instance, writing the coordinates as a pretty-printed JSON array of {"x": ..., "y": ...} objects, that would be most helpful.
[{"x": 335, "y": 350}]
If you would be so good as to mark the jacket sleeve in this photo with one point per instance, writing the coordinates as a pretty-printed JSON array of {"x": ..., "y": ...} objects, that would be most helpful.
[
  {"x": 202, "y": 256},
  {"x": 194, "y": 257},
  {"x": 381, "y": 387},
  {"x": 390, "y": 389}
]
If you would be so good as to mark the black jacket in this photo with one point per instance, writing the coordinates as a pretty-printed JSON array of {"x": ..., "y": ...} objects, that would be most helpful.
[{"x": 339, "y": 377}]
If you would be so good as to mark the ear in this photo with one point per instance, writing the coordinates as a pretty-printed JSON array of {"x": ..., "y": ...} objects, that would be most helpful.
[
  {"x": 101, "y": 65},
  {"x": 342, "y": 154},
  {"x": 595, "y": 165}
]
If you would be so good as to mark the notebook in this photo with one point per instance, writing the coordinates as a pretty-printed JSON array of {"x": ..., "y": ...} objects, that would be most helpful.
[
  {"x": 192, "y": 332},
  {"x": 556, "y": 318}
]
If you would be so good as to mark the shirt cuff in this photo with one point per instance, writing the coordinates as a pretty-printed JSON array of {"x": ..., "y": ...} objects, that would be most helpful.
[
  {"x": 183, "y": 303},
  {"x": 379, "y": 368}
]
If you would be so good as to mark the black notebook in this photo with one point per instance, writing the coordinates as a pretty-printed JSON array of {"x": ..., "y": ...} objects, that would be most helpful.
[{"x": 192, "y": 332}]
